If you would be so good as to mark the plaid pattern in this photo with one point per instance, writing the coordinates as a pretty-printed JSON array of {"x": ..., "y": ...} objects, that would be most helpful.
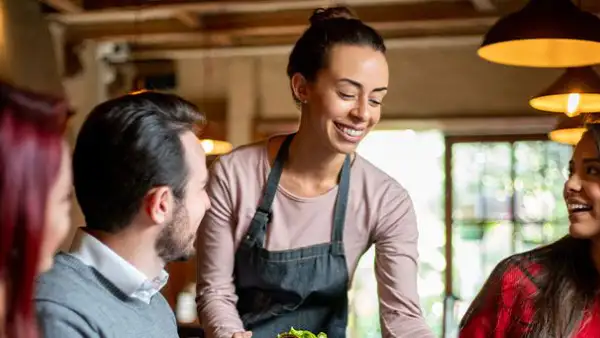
[{"x": 504, "y": 307}]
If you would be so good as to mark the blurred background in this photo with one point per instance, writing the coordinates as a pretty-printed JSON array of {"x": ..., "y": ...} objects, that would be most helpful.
[{"x": 458, "y": 129}]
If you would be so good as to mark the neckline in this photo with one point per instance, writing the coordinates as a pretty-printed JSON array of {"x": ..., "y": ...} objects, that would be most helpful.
[{"x": 268, "y": 167}]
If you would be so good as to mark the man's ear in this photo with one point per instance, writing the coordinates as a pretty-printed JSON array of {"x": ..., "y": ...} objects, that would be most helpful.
[{"x": 158, "y": 204}]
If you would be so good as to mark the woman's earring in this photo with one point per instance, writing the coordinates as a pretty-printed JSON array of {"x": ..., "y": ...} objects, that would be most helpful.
[{"x": 305, "y": 102}]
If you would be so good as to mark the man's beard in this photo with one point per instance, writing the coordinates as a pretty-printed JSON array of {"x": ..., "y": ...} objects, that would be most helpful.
[{"x": 170, "y": 245}]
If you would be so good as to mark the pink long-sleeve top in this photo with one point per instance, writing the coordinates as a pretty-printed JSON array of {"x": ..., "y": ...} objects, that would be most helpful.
[{"x": 379, "y": 212}]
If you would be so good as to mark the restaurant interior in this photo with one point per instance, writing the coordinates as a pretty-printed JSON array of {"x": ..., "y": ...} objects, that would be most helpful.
[{"x": 486, "y": 99}]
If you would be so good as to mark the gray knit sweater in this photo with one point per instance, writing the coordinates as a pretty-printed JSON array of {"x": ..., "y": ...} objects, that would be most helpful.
[{"x": 74, "y": 301}]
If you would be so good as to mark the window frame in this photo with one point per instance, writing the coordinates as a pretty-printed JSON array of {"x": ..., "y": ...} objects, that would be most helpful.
[{"x": 450, "y": 141}]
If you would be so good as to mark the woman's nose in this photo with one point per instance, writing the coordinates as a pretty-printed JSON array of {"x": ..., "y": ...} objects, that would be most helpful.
[
  {"x": 361, "y": 111},
  {"x": 573, "y": 183}
]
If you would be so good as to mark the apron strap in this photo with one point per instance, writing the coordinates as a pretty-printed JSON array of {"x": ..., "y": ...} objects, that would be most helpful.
[
  {"x": 341, "y": 204},
  {"x": 262, "y": 217},
  {"x": 275, "y": 175}
]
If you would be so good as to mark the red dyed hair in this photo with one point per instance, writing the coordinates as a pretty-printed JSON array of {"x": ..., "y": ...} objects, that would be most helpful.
[{"x": 31, "y": 127}]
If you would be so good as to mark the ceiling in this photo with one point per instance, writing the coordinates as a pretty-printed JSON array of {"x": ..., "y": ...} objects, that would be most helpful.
[{"x": 161, "y": 28}]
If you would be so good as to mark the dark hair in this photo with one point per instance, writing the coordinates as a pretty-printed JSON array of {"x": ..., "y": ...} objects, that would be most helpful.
[
  {"x": 126, "y": 147},
  {"x": 329, "y": 27},
  {"x": 31, "y": 128},
  {"x": 567, "y": 287}
]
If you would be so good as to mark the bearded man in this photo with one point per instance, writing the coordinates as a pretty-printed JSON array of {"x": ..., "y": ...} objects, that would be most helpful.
[{"x": 139, "y": 176}]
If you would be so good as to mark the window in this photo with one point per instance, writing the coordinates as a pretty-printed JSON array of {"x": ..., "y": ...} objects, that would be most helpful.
[
  {"x": 506, "y": 198},
  {"x": 415, "y": 159}
]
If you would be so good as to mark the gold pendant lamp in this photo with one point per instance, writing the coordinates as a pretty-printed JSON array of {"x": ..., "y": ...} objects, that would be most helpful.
[
  {"x": 568, "y": 130},
  {"x": 576, "y": 91},
  {"x": 216, "y": 147},
  {"x": 544, "y": 33}
]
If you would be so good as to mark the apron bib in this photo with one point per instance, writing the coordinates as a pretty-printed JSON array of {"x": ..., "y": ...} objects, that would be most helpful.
[{"x": 305, "y": 288}]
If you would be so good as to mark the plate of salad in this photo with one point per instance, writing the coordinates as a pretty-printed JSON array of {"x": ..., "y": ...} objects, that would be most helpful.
[{"x": 293, "y": 333}]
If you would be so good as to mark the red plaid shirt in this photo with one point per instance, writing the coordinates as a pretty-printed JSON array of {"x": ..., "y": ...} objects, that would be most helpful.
[{"x": 505, "y": 307}]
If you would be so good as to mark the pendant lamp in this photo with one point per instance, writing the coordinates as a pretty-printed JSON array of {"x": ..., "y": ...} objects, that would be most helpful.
[
  {"x": 544, "y": 33},
  {"x": 576, "y": 91},
  {"x": 216, "y": 147},
  {"x": 568, "y": 130},
  {"x": 211, "y": 147}
]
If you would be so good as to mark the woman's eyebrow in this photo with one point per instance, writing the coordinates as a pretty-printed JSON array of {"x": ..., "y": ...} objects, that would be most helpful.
[{"x": 360, "y": 86}]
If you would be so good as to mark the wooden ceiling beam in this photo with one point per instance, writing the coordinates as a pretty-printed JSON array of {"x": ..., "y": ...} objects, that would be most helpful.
[
  {"x": 425, "y": 16},
  {"x": 65, "y": 6},
  {"x": 391, "y": 12},
  {"x": 392, "y": 44},
  {"x": 484, "y": 5},
  {"x": 227, "y": 36},
  {"x": 190, "y": 19},
  {"x": 167, "y": 11}
]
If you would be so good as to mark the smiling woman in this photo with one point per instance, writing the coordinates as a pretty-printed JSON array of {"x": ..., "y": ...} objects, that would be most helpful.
[
  {"x": 321, "y": 206},
  {"x": 344, "y": 70},
  {"x": 551, "y": 291},
  {"x": 355, "y": 81}
]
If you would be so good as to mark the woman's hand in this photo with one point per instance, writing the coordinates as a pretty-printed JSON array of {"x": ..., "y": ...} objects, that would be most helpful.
[{"x": 246, "y": 334}]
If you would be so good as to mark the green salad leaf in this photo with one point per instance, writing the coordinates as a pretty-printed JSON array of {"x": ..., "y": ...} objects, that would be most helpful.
[{"x": 293, "y": 333}]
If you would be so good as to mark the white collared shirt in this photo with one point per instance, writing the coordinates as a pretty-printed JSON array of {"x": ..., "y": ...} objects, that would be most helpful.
[{"x": 115, "y": 269}]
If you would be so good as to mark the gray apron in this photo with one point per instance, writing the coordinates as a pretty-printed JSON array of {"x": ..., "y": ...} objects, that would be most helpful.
[{"x": 304, "y": 288}]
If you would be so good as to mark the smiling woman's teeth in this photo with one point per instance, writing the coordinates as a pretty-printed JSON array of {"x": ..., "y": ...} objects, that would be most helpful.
[
  {"x": 350, "y": 131},
  {"x": 578, "y": 207}
]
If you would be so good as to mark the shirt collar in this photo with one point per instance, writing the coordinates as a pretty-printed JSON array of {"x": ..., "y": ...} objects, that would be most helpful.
[{"x": 115, "y": 269}]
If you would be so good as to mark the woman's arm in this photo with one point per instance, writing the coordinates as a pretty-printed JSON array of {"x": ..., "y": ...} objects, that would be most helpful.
[
  {"x": 395, "y": 238},
  {"x": 215, "y": 252}
]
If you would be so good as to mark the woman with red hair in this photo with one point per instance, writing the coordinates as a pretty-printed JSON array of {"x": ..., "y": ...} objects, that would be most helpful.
[{"x": 35, "y": 187}]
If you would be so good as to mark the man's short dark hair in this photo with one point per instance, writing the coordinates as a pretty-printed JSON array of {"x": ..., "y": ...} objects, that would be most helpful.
[{"x": 126, "y": 147}]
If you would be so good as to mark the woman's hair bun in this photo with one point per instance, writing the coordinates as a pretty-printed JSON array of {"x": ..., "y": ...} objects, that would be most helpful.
[{"x": 324, "y": 14}]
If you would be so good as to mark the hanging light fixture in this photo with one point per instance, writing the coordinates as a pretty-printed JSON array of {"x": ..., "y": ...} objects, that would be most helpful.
[
  {"x": 210, "y": 146},
  {"x": 568, "y": 130},
  {"x": 137, "y": 91},
  {"x": 216, "y": 147},
  {"x": 545, "y": 33},
  {"x": 576, "y": 91}
]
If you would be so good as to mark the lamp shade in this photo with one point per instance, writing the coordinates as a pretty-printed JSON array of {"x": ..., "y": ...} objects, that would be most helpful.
[
  {"x": 216, "y": 147},
  {"x": 576, "y": 91},
  {"x": 544, "y": 33},
  {"x": 568, "y": 130}
]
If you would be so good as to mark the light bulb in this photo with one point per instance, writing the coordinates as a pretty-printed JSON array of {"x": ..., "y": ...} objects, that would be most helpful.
[
  {"x": 208, "y": 146},
  {"x": 573, "y": 102}
]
